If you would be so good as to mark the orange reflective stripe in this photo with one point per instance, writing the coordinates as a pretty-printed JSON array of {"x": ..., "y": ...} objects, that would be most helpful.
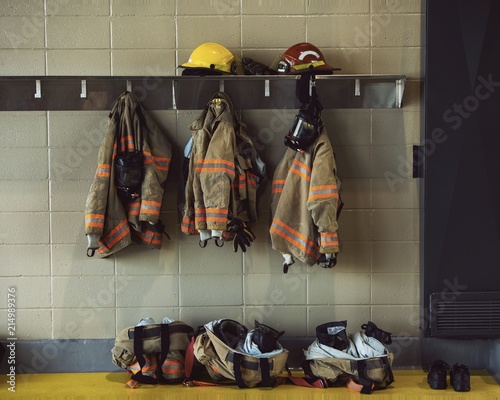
[
  {"x": 134, "y": 368},
  {"x": 216, "y": 215},
  {"x": 126, "y": 143},
  {"x": 133, "y": 208},
  {"x": 199, "y": 164},
  {"x": 103, "y": 170},
  {"x": 150, "y": 207},
  {"x": 329, "y": 239},
  {"x": 161, "y": 163},
  {"x": 323, "y": 192},
  {"x": 215, "y": 370},
  {"x": 278, "y": 185},
  {"x": 199, "y": 215},
  {"x": 94, "y": 220},
  {"x": 150, "y": 365},
  {"x": 187, "y": 226},
  {"x": 241, "y": 182},
  {"x": 118, "y": 233},
  {"x": 301, "y": 169},
  {"x": 356, "y": 387},
  {"x": 218, "y": 165},
  {"x": 132, "y": 384},
  {"x": 294, "y": 237},
  {"x": 173, "y": 367},
  {"x": 251, "y": 179},
  {"x": 150, "y": 237}
]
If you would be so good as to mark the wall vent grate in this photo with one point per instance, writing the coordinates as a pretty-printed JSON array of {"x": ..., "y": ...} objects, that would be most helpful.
[{"x": 465, "y": 314}]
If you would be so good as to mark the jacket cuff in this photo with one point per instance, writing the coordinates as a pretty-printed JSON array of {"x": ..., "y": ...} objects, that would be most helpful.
[{"x": 329, "y": 240}]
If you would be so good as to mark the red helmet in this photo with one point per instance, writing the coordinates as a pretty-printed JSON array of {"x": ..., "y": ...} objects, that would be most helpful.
[{"x": 302, "y": 58}]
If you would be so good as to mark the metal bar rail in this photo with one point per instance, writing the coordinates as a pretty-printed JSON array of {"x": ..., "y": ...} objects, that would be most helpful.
[{"x": 47, "y": 93}]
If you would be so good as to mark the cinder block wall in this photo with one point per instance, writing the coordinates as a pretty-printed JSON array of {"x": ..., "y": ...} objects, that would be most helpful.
[{"x": 48, "y": 160}]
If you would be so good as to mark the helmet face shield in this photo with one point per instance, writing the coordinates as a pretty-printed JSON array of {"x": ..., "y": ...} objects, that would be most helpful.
[{"x": 283, "y": 67}]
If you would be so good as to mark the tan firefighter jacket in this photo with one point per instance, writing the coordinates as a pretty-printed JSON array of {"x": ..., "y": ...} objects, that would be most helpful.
[
  {"x": 222, "y": 177},
  {"x": 111, "y": 223},
  {"x": 305, "y": 200}
]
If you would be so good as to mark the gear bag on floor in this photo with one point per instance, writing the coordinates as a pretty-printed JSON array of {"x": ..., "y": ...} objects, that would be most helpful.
[
  {"x": 360, "y": 361},
  {"x": 154, "y": 354},
  {"x": 232, "y": 354}
]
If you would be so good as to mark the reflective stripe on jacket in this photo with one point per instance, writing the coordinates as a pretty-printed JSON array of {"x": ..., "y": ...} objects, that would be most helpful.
[{"x": 305, "y": 199}]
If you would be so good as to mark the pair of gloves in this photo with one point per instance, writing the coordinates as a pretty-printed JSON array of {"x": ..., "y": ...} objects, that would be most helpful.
[
  {"x": 256, "y": 68},
  {"x": 237, "y": 231},
  {"x": 325, "y": 261}
]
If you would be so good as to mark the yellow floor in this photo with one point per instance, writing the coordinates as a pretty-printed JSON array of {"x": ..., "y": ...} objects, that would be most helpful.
[{"x": 408, "y": 385}]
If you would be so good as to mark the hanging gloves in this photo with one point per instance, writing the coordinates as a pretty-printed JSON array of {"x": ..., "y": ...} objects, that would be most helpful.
[
  {"x": 327, "y": 260},
  {"x": 243, "y": 236},
  {"x": 256, "y": 68}
]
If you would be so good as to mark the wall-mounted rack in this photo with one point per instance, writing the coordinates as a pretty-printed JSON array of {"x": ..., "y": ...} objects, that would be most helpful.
[{"x": 47, "y": 93}]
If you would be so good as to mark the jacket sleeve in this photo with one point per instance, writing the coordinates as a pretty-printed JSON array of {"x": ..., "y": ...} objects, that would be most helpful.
[
  {"x": 157, "y": 153},
  {"x": 323, "y": 198},
  {"x": 97, "y": 198},
  {"x": 217, "y": 175}
]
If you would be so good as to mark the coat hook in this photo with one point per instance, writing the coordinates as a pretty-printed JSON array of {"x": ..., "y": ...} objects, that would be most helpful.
[
  {"x": 267, "y": 88},
  {"x": 83, "y": 93},
  {"x": 357, "y": 89},
  {"x": 400, "y": 84},
  {"x": 312, "y": 84},
  {"x": 38, "y": 89},
  {"x": 174, "y": 103},
  {"x": 129, "y": 86}
]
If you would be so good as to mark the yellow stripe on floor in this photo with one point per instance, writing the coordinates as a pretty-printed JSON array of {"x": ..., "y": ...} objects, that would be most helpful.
[{"x": 408, "y": 385}]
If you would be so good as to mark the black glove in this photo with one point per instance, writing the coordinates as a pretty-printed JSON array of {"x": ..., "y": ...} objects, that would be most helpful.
[
  {"x": 256, "y": 68},
  {"x": 243, "y": 236},
  {"x": 373, "y": 331},
  {"x": 327, "y": 260}
]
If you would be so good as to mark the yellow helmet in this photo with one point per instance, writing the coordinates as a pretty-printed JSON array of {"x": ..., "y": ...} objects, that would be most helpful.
[{"x": 212, "y": 56}]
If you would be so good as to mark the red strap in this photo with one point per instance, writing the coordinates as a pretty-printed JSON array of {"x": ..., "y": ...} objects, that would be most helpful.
[
  {"x": 357, "y": 387},
  {"x": 317, "y": 383},
  {"x": 193, "y": 382},
  {"x": 189, "y": 359}
]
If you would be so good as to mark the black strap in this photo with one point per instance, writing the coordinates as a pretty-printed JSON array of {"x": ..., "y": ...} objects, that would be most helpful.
[
  {"x": 156, "y": 331},
  {"x": 138, "y": 345},
  {"x": 245, "y": 363},
  {"x": 265, "y": 373},
  {"x": 164, "y": 348},
  {"x": 388, "y": 370},
  {"x": 237, "y": 370},
  {"x": 139, "y": 377},
  {"x": 363, "y": 379}
]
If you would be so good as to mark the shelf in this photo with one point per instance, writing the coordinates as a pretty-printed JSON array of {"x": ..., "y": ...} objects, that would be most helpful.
[{"x": 41, "y": 93}]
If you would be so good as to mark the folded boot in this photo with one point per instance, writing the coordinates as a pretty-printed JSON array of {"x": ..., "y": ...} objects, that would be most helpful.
[
  {"x": 460, "y": 378},
  {"x": 436, "y": 377}
]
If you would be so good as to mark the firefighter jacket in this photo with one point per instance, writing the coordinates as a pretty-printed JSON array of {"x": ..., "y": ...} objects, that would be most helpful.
[
  {"x": 222, "y": 176},
  {"x": 112, "y": 222},
  {"x": 305, "y": 200}
]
